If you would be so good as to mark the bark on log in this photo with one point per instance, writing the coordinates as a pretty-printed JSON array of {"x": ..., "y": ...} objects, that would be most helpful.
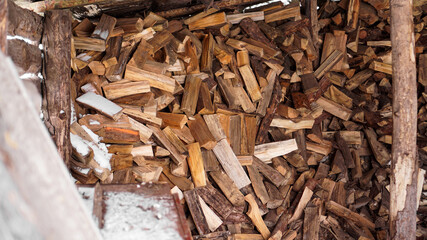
[
  {"x": 57, "y": 75},
  {"x": 33, "y": 164},
  {"x": 24, "y": 23},
  {"x": 3, "y": 25},
  {"x": 403, "y": 202}
]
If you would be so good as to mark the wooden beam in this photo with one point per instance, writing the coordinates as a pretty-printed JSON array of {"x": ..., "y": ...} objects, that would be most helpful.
[
  {"x": 29, "y": 148},
  {"x": 57, "y": 75},
  {"x": 404, "y": 164},
  {"x": 3, "y": 25}
]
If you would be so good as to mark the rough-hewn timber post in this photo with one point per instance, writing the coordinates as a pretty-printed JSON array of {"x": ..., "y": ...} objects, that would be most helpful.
[
  {"x": 3, "y": 25},
  {"x": 57, "y": 75},
  {"x": 403, "y": 202}
]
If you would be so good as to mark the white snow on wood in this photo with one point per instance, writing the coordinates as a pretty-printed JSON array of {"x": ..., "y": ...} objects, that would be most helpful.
[
  {"x": 87, "y": 194},
  {"x": 92, "y": 135},
  {"x": 93, "y": 122},
  {"x": 100, "y": 151},
  {"x": 99, "y": 103},
  {"x": 79, "y": 144},
  {"x": 132, "y": 216}
]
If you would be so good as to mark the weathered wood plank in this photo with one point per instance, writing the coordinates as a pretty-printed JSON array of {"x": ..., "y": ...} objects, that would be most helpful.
[{"x": 37, "y": 155}]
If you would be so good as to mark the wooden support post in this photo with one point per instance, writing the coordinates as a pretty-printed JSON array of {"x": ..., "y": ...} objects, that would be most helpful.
[
  {"x": 57, "y": 75},
  {"x": 34, "y": 166},
  {"x": 404, "y": 166},
  {"x": 3, "y": 25}
]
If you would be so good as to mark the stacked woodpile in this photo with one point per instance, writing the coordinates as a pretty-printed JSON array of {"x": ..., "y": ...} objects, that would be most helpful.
[{"x": 274, "y": 123}]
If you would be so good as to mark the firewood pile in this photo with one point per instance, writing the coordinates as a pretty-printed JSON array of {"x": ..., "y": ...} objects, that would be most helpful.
[{"x": 275, "y": 123}]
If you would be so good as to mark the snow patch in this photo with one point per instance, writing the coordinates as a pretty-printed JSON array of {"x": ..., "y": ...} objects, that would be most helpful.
[{"x": 133, "y": 216}]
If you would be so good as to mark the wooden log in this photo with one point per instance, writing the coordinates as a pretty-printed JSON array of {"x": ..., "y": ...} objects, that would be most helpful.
[
  {"x": 3, "y": 25},
  {"x": 57, "y": 112},
  {"x": 20, "y": 155},
  {"x": 257, "y": 184},
  {"x": 122, "y": 89},
  {"x": 24, "y": 23},
  {"x": 253, "y": 30},
  {"x": 228, "y": 188},
  {"x": 237, "y": 18},
  {"x": 255, "y": 215},
  {"x": 213, "y": 20},
  {"x": 118, "y": 135},
  {"x": 230, "y": 163},
  {"x": 160, "y": 136},
  {"x": 212, "y": 219},
  {"x": 380, "y": 152},
  {"x": 311, "y": 223},
  {"x": 101, "y": 104},
  {"x": 289, "y": 124},
  {"x": 262, "y": 134},
  {"x": 191, "y": 94},
  {"x": 195, "y": 163},
  {"x": 267, "y": 151},
  {"x": 334, "y": 108},
  {"x": 241, "y": 45},
  {"x": 105, "y": 27},
  {"x": 250, "y": 82},
  {"x": 196, "y": 211},
  {"x": 346, "y": 213},
  {"x": 172, "y": 119},
  {"x": 201, "y": 133},
  {"x": 269, "y": 173},
  {"x": 289, "y": 11},
  {"x": 404, "y": 165},
  {"x": 215, "y": 200},
  {"x": 329, "y": 63},
  {"x": 155, "y": 80}
]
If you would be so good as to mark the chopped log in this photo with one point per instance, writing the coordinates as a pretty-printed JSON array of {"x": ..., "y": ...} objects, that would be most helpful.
[
  {"x": 118, "y": 135},
  {"x": 329, "y": 63},
  {"x": 91, "y": 44},
  {"x": 250, "y": 82},
  {"x": 241, "y": 45},
  {"x": 122, "y": 89},
  {"x": 228, "y": 188},
  {"x": 255, "y": 215},
  {"x": 289, "y": 11},
  {"x": 104, "y": 28},
  {"x": 215, "y": 200},
  {"x": 155, "y": 80},
  {"x": 349, "y": 215},
  {"x": 265, "y": 152},
  {"x": 213, "y": 20},
  {"x": 380, "y": 152},
  {"x": 172, "y": 119},
  {"x": 237, "y": 18},
  {"x": 311, "y": 223},
  {"x": 101, "y": 105},
  {"x": 196, "y": 211},
  {"x": 191, "y": 94},
  {"x": 212, "y": 219},
  {"x": 57, "y": 112},
  {"x": 257, "y": 184},
  {"x": 231, "y": 164},
  {"x": 195, "y": 163},
  {"x": 334, "y": 108},
  {"x": 160, "y": 136}
]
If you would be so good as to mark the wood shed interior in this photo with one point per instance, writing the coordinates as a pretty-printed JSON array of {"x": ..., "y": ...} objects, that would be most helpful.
[{"x": 203, "y": 119}]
